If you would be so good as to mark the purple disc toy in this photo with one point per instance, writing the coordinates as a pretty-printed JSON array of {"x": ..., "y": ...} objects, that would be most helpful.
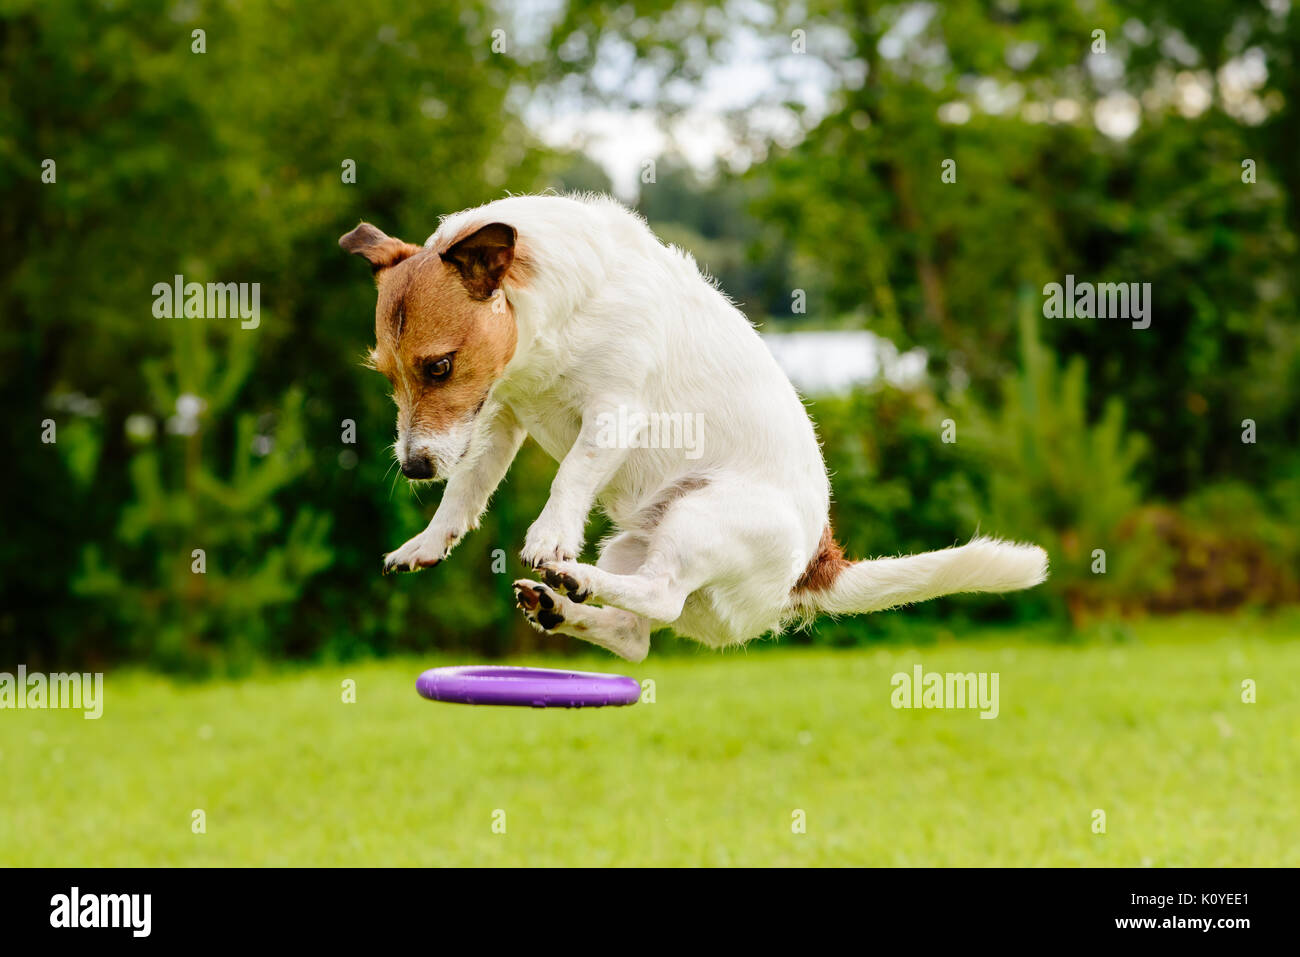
[{"x": 527, "y": 687}]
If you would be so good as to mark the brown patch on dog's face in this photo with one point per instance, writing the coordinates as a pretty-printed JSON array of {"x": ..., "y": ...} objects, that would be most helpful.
[{"x": 443, "y": 336}]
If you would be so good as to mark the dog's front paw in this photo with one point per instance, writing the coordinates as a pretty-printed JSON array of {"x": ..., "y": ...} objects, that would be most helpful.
[
  {"x": 546, "y": 544},
  {"x": 424, "y": 551}
]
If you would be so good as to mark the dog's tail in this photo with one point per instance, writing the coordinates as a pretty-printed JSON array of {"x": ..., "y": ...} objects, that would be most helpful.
[{"x": 833, "y": 585}]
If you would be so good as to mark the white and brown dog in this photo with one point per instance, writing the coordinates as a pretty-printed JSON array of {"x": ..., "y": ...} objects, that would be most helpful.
[{"x": 556, "y": 317}]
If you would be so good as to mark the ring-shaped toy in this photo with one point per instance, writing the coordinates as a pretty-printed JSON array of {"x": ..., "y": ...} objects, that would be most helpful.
[{"x": 526, "y": 687}]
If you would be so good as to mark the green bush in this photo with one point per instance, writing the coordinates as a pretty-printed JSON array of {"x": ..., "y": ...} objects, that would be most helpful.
[
  {"x": 1066, "y": 480},
  {"x": 1034, "y": 468},
  {"x": 212, "y": 552},
  {"x": 1229, "y": 548}
]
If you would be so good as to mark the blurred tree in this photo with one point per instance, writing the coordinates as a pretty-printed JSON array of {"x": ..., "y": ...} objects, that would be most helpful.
[
  {"x": 130, "y": 153},
  {"x": 231, "y": 164},
  {"x": 205, "y": 566},
  {"x": 1062, "y": 478},
  {"x": 751, "y": 260},
  {"x": 1103, "y": 140}
]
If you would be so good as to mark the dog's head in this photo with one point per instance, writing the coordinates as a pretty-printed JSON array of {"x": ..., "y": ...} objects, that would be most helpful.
[{"x": 443, "y": 335}]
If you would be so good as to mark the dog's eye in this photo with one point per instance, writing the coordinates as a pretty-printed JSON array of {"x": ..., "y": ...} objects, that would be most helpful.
[{"x": 438, "y": 369}]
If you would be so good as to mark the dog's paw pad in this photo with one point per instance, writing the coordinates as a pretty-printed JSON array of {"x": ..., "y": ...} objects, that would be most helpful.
[
  {"x": 540, "y": 605},
  {"x": 549, "y": 619},
  {"x": 565, "y": 583},
  {"x": 526, "y": 594}
]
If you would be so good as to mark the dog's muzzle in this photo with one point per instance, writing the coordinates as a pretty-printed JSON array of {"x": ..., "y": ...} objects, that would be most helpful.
[{"x": 417, "y": 467}]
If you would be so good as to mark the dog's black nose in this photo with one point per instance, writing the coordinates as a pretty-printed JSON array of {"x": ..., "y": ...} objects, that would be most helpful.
[{"x": 417, "y": 469}]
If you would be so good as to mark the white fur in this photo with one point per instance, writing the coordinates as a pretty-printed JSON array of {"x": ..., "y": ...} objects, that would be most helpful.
[
  {"x": 612, "y": 320},
  {"x": 443, "y": 450},
  {"x": 982, "y": 564}
]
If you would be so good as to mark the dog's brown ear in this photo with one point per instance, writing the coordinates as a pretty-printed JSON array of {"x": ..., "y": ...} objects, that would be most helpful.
[
  {"x": 483, "y": 258},
  {"x": 380, "y": 250}
]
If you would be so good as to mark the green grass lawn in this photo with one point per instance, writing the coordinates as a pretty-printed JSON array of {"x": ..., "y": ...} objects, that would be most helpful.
[{"x": 1152, "y": 731}]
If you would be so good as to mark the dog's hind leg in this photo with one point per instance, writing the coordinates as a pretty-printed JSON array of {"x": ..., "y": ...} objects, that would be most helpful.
[
  {"x": 654, "y": 591},
  {"x": 622, "y": 632},
  {"x": 621, "y": 555},
  {"x": 739, "y": 536}
]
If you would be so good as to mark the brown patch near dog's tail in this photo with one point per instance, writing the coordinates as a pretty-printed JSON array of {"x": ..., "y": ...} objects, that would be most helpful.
[{"x": 825, "y": 567}]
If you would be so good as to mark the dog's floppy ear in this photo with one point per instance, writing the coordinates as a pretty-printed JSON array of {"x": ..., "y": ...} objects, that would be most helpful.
[
  {"x": 380, "y": 250},
  {"x": 483, "y": 258}
]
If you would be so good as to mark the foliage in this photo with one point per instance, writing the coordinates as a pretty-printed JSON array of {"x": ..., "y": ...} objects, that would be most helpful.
[
  {"x": 1060, "y": 480},
  {"x": 1232, "y": 546},
  {"x": 229, "y": 166},
  {"x": 207, "y": 563},
  {"x": 911, "y": 474},
  {"x": 940, "y": 263}
]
